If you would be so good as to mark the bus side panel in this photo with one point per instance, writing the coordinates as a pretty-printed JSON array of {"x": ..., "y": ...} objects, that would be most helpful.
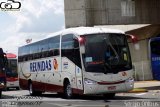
[
  {"x": 23, "y": 83},
  {"x": 24, "y": 75},
  {"x": 53, "y": 77},
  {"x": 46, "y": 78},
  {"x": 74, "y": 74}
]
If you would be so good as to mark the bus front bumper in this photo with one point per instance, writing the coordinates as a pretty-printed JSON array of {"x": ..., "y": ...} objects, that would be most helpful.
[{"x": 109, "y": 87}]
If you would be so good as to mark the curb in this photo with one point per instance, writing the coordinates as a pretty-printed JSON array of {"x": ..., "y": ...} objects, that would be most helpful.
[{"x": 138, "y": 90}]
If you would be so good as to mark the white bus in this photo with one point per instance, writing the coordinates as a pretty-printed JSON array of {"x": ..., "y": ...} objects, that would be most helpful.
[{"x": 82, "y": 60}]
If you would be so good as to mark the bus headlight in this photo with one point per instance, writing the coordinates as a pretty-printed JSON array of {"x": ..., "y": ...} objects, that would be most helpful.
[
  {"x": 89, "y": 81},
  {"x": 130, "y": 81},
  {"x": 2, "y": 83}
]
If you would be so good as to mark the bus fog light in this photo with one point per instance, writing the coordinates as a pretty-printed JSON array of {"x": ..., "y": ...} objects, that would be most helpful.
[
  {"x": 130, "y": 81},
  {"x": 2, "y": 83},
  {"x": 89, "y": 82}
]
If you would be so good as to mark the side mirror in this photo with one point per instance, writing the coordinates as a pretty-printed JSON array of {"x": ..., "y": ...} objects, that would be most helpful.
[
  {"x": 133, "y": 39},
  {"x": 76, "y": 43}
]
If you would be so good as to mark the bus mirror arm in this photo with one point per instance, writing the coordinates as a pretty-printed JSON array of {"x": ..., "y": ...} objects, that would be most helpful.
[{"x": 132, "y": 38}]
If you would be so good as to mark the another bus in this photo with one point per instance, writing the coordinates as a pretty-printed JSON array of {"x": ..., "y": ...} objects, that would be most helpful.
[
  {"x": 82, "y": 60},
  {"x": 155, "y": 57},
  {"x": 3, "y": 65},
  {"x": 11, "y": 72}
]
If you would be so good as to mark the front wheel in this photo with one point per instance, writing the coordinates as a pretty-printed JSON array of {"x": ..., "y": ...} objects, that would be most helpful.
[
  {"x": 109, "y": 95},
  {"x": 67, "y": 90}
]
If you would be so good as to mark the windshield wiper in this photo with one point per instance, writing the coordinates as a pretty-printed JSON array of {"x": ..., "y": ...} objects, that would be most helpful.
[{"x": 113, "y": 49}]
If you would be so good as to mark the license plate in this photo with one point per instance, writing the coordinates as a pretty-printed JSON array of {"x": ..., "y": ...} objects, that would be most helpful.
[
  {"x": 11, "y": 84},
  {"x": 112, "y": 88}
]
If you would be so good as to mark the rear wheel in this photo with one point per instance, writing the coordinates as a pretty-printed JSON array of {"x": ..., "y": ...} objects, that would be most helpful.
[
  {"x": 32, "y": 92},
  {"x": 0, "y": 94},
  {"x": 109, "y": 95},
  {"x": 68, "y": 90}
]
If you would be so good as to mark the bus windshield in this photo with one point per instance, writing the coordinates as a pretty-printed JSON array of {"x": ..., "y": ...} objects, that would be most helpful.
[
  {"x": 12, "y": 68},
  {"x": 108, "y": 53}
]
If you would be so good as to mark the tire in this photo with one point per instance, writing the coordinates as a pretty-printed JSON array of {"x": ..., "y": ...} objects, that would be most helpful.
[
  {"x": 0, "y": 94},
  {"x": 109, "y": 95},
  {"x": 68, "y": 90},
  {"x": 32, "y": 92},
  {"x": 30, "y": 89}
]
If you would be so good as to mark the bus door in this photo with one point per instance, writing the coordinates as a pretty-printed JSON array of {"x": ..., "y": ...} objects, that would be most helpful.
[
  {"x": 71, "y": 61},
  {"x": 155, "y": 57}
]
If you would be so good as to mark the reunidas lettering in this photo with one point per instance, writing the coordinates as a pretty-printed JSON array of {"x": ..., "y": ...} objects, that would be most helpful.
[{"x": 40, "y": 66}]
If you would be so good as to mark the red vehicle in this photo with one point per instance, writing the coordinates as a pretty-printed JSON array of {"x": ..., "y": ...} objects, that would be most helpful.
[
  {"x": 12, "y": 80},
  {"x": 3, "y": 65}
]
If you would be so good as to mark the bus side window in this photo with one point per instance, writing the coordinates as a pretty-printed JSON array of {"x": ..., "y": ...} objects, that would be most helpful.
[
  {"x": 70, "y": 49},
  {"x": 76, "y": 53},
  {"x": 44, "y": 48},
  {"x": 67, "y": 46},
  {"x": 54, "y": 45}
]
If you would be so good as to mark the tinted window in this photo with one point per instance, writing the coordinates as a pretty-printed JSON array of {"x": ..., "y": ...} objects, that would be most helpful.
[
  {"x": 34, "y": 48},
  {"x": 45, "y": 48},
  {"x": 67, "y": 42},
  {"x": 54, "y": 45},
  {"x": 24, "y": 50},
  {"x": 70, "y": 49},
  {"x": 54, "y": 42},
  {"x": 106, "y": 53}
]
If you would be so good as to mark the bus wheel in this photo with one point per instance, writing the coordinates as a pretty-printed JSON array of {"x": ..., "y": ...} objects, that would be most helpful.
[
  {"x": 109, "y": 95},
  {"x": 32, "y": 92},
  {"x": 0, "y": 94},
  {"x": 31, "y": 89},
  {"x": 67, "y": 90}
]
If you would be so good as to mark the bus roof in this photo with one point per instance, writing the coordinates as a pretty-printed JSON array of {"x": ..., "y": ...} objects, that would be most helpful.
[
  {"x": 86, "y": 30},
  {"x": 81, "y": 31}
]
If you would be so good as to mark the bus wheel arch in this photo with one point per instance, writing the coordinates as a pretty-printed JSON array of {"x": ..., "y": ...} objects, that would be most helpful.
[{"x": 68, "y": 93}]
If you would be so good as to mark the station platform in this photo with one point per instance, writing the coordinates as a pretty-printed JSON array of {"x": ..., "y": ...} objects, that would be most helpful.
[{"x": 145, "y": 86}]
